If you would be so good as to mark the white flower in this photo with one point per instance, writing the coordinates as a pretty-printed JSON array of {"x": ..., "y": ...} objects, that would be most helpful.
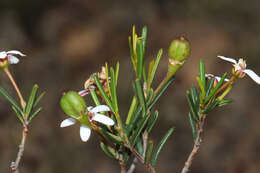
[
  {"x": 240, "y": 67},
  {"x": 10, "y": 56},
  {"x": 93, "y": 114},
  {"x": 210, "y": 76}
]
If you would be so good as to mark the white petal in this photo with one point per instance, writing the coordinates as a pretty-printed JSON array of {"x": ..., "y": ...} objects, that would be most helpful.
[
  {"x": 103, "y": 119},
  {"x": 67, "y": 122},
  {"x": 82, "y": 93},
  {"x": 84, "y": 133},
  {"x": 228, "y": 59},
  {"x": 89, "y": 108},
  {"x": 253, "y": 75},
  {"x": 3, "y": 55},
  {"x": 16, "y": 52},
  {"x": 100, "y": 108},
  {"x": 12, "y": 59}
]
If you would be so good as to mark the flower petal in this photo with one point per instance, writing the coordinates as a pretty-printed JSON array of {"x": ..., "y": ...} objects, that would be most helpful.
[
  {"x": 103, "y": 119},
  {"x": 82, "y": 93},
  {"x": 228, "y": 59},
  {"x": 253, "y": 75},
  {"x": 15, "y": 52},
  {"x": 3, "y": 55},
  {"x": 84, "y": 133},
  {"x": 12, "y": 59},
  {"x": 89, "y": 108},
  {"x": 100, "y": 108},
  {"x": 67, "y": 122}
]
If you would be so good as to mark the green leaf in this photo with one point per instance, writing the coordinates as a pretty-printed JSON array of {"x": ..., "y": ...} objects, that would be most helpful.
[
  {"x": 103, "y": 93},
  {"x": 161, "y": 92},
  {"x": 10, "y": 99},
  {"x": 133, "y": 121},
  {"x": 216, "y": 88},
  {"x": 194, "y": 96},
  {"x": 202, "y": 74},
  {"x": 224, "y": 102},
  {"x": 109, "y": 151},
  {"x": 212, "y": 105},
  {"x": 111, "y": 137},
  {"x": 140, "y": 95},
  {"x": 34, "y": 114},
  {"x": 38, "y": 99},
  {"x": 154, "y": 65},
  {"x": 131, "y": 110},
  {"x": 160, "y": 146},
  {"x": 139, "y": 129},
  {"x": 193, "y": 126},
  {"x": 18, "y": 114},
  {"x": 139, "y": 146},
  {"x": 149, "y": 97},
  {"x": 117, "y": 72},
  {"x": 202, "y": 90},
  {"x": 94, "y": 97},
  {"x": 113, "y": 89},
  {"x": 210, "y": 84},
  {"x": 192, "y": 106},
  {"x": 152, "y": 121},
  {"x": 31, "y": 100},
  {"x": 140, "y": 59},
  {"x": 149, "y": 152},
  {"x": 144, "y": 37}
]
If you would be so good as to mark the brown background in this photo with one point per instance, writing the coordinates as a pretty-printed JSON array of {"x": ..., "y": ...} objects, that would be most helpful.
[{"x": 66, "y": 41}]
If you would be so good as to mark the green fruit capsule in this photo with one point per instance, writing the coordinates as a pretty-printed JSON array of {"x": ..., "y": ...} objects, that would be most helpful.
[
  {"x": 73, "y": 104},
  {"x": 179, "y": 51}
]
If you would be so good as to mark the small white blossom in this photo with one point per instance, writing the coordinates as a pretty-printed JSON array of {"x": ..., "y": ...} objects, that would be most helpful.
[
  {"x": 211, "y": 76},
  {"x": 94, "y": 115},
  {"x": 10, "y": 56},
  {"x": 240, "y": 67}
]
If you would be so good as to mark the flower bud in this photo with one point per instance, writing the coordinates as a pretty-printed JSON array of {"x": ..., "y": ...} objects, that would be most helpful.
[
  {"x": 73, "y": 104},
  {"x": 179, "y": 51}
]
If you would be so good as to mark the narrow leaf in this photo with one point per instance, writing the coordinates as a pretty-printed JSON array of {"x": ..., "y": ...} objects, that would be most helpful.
[
  {"x": 94, "y": 97},
  {"x": 161, "y": 92},
  {"x": 131, "y": 110},
  {"x": 18, "y": 114},
  {"x": 192, "y": 106},
  {"x": 31, "y": 99},
  {"x": 139, "y": 129},
  {"x": 10, "y": 99},
  {"x": 193, "y": 126},
  {"x": 140, "y": 95},
  {"x": 109, "y": 151},
  {"x": 149, "y": 152},
  {"x": 111, "y": 137},
  {"x": 224, "y": 102},
  {"x": 133, "y": 121},
  {"x": 160, "y": 146},
  {"x": 34, "y": 114},
  {"x": 103, "y": 93},
  {"x": 113, "y": 89},
  {"x": 38, "y": 99},
  {"x": 154, "y": 68},
  {"x": 152, "y": 121},
  {"x": 202, "y": 74},
  {"x": 117, "y": 72},
  {"x": 140, "y": 59}
]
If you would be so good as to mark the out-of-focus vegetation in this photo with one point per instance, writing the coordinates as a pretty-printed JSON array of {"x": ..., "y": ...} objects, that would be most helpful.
[{"x": 66, "y": 41}]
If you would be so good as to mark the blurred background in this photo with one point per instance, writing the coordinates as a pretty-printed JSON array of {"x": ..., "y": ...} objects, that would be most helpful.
[{"x": 67, "y": 40}]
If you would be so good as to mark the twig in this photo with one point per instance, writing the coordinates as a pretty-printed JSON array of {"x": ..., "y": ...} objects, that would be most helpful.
[
  {"x": 14, "y": 165},
  {"x": 196, "y": 146},
  {"x": 122, "y": 164},
  {"x": 22, "y": 102},
  {"x": 132, "y": 167}
]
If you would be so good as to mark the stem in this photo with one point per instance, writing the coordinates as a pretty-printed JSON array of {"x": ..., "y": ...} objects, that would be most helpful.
[
  {"x": 132, "y": 167},
  {"x": 122, "y": 164},
  {"x": 22, "y": 102},
  {"x": 164, "y": 81},
  {"x": 141, "y": 159},
  {"x": 14, "y": 165},
  {"x": 196, "y": 146}
]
